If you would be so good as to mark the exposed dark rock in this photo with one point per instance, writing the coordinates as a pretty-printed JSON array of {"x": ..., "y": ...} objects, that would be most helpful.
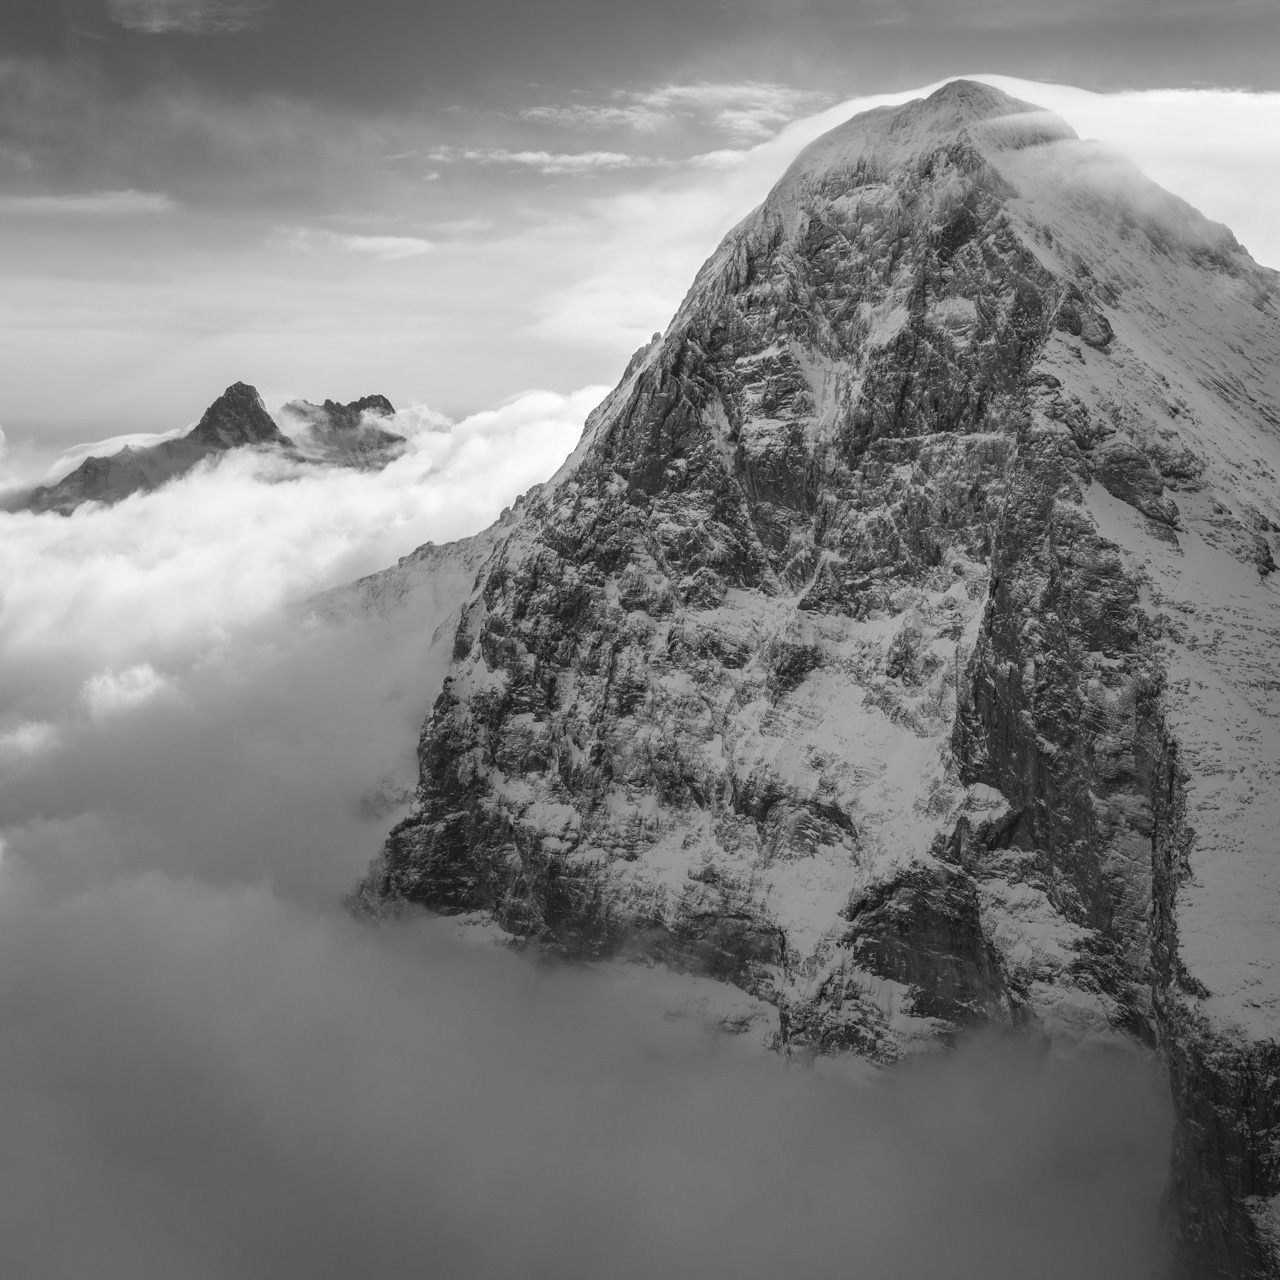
[
  {"x": 1123, "y": 470},
  {"x": 237, "y": 417},
  {"x": 925, "y": 930}
]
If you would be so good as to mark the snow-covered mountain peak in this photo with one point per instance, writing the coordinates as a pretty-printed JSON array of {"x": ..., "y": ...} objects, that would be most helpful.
[
  {"x": 899, "y": 642},
  {"x": 963, "y": 113}
]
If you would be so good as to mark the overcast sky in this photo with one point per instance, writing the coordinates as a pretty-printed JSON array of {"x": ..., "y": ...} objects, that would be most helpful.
[{"x": 450, "y": 204}]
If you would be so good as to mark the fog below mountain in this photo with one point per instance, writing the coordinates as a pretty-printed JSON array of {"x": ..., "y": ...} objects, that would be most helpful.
[{"x": 208, "y": 1070}]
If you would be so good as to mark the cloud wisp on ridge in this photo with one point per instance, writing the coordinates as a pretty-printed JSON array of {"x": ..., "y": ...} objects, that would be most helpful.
[
  {"x": 190, "y": 17},
  {"x": 750, "y": 110},
  {"x": 545, "y": 161},
  {"x": 89, "y": 204}
]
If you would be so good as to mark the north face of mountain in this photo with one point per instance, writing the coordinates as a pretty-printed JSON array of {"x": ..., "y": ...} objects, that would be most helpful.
[{"x": 899, "y": 643}]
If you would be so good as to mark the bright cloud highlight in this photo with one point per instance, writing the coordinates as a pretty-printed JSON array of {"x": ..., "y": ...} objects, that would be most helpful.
[
  {"x": 749, "y": 111},
  {"x": 388, "y": 248},
  {"x": 91, "y": 203},
  {"x": 545, "y": 161},
  {"x": 189, "y": 17}
]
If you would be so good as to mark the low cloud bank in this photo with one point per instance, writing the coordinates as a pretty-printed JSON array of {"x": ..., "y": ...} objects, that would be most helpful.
[
  {"x": 160, "y": 576},
  {"x": 200, "y": 1083},
  {"x": 167, "y": 703},
  {"x": 206, "y": 1070}
]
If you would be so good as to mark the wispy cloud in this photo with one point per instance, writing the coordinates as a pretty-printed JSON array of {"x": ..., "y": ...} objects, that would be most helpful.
[
  {"x": 189, "y": 17},
  {"x": 595, "y": 116},
  {"x": 546, "y": 161},
  {"x": 109, "y": 691},
  {"x": 748, "y": 111},
  {"x": 89, "y": 203},
  {"x": 389, "y": 248}
]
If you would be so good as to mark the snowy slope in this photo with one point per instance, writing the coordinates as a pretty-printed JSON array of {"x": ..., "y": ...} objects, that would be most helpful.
[{"x": 1193, "y": 380}]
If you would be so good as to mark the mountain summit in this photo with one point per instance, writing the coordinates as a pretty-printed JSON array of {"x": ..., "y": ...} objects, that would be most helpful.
[
  {"x": 899, "y": 645},
  {"x": 237, "y": 417}
]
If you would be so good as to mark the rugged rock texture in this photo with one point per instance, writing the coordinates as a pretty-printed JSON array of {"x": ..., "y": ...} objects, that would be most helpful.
[
  {"x": 237, "y": 417},
  {"x": 340, "y": 434},
  {"x": 860, "y": 657},
  {"x": 349, "y": 435}
]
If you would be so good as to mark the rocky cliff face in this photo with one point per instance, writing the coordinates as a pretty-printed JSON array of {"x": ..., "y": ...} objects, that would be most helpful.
[
  {"x": 350, "y": 435},
  {"x": 898, "y": 644},
  {"x": 344, "y": 435}
]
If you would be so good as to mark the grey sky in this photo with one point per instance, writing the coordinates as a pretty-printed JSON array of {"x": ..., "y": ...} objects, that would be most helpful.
[{"x": 380, "y": 52}]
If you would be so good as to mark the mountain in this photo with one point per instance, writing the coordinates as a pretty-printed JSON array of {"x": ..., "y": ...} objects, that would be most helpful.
[
  {"x": 345, "y": 434},
  {"x": 236, "y": 419},
  {"x": 900, "y": 641}
]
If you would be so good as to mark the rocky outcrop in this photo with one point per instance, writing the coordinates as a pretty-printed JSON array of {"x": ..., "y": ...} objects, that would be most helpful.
[
  {"x": 860, "y": 657},
  {"x": 349, "y": 435},
  {"x": 345, "y": 435},
  {"x": 237, "y": 417}
]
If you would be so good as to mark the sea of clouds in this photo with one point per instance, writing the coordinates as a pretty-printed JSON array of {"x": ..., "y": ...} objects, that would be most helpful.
[{"x": 208, "y": 1070}]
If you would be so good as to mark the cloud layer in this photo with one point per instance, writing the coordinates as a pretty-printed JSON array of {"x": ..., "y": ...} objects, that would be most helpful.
[
  {"x": 747, "y": 111},
  {"x": 388, "y": 248},
  {"x": 189, "y": 17},
  {"x": 202, "y": 1083},
  {"x": 207, "y": 1070},
  {"x": 90, "y": 203},
  {"x": 230, "y": 544},
  {"x": 545, "y": 161},
  {"x": 164, "y": 700}
]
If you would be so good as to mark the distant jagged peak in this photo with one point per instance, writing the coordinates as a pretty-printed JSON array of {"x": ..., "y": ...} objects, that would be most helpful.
[
  {"x": 380, "y": 406},
  {"x": 238, "y": 416},
  {"x": 339, "y": 416},
  {"x": 332, "y": 433},
  {"x": 350, "y": 434}
]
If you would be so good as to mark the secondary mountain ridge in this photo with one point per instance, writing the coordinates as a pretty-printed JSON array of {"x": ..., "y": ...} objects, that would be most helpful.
[{"x": 344, "y": 435}]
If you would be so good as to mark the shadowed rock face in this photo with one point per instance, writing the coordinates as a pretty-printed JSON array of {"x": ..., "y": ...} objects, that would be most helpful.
[
  {"x": 236, "y": 417},
  {"x": 336, "y": 433},
  {"x": 858, "y": 655}
]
